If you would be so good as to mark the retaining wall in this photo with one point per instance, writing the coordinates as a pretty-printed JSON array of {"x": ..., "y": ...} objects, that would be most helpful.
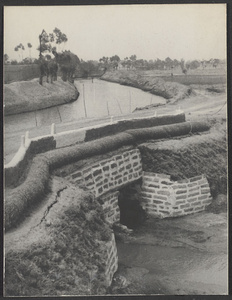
[
  {"x": 109, "y": 174},
  {"x": 163, "y": 198}
]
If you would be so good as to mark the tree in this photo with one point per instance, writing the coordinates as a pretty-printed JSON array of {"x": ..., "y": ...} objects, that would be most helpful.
[
  {"x": 68, "y": 63},
  {"x": 29, "y": 45},
  {"x": 20, "y": 46},
  {"x": 133, "y": 60},
  {"x": 104, "y": 61},
  {"x": 46, "y": 41},
  {"x": 133, "y": 57},
  {"x": 114, "y": 61},
  {"x": 168, "y": 63},
  {"x": 183, "y": 66},
  {"x": 6, "y": 58},
  {"x": 58, "y": 36},
  {"x": 215, "y": 62},
  {"x": 16, "y": 49}
]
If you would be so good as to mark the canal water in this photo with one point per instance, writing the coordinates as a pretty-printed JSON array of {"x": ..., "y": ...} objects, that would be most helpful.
[{"x": 97, "y": 99}]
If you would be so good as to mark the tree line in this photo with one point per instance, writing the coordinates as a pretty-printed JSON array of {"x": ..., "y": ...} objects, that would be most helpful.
[{"x": 50, "y": 43}]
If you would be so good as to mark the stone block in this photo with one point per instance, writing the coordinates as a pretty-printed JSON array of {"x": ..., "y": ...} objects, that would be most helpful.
[
  {"x": 190, "y": 209},
  {"x": 196, "y": 203},
  {"x": 205, "y": 191},
  {"x": 106, "y": 168},
  {"x": 185, "y": 205},
  {"x": 120, "y": 170},
  {"x": 158, "y": 197},
  {"x": 193, "y": 194},
  {"x": 181, "y": 197},
  {"x": 160, "y": 192},
  {"x": 196, "y": 178},
  {"x": 192, "y": 199},
  {"x": 181, "y": 192},
  {"x": 207, "y": 201},
  {"x": 157, "y": 201},
  {"x": 153, "y": 185},
  {"x": 203, "y": 197},
  {"x": 76, "y": 175},
  {"x": 199, "y": 208},
  {"x": 192, "y": 184},
  {"x": 180, "y": 202},
  {"x": 98, "y": 178}
]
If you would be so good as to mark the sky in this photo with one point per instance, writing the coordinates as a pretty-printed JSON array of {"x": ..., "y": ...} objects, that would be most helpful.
[{"x": 188, "y": 31}]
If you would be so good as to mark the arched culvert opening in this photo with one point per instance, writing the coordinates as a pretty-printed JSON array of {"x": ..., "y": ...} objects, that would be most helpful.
[{"x": 132, "y": 214}]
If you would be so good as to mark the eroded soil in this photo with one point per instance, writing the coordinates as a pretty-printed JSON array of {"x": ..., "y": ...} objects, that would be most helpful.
[{"x": 181, "y": 256}]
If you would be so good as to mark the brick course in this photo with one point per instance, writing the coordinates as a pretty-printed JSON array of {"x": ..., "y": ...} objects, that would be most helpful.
[
  {"x": 110, "y": 206},
  {"x": 110, "y": 173},
  {"x": 163, "y": 198}
]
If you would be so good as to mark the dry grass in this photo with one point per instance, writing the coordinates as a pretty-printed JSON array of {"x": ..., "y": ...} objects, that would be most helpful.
[
  {"x": 18, "y": 200},
  {"x": 65, "y": 265},
  {"x": 185, "y": 160},
  {"x": 25, "y": 96},
  {"x": 124, "y": 125},
  {"x": 168, "y": 131},
  {"x": 153, "y": 84}
]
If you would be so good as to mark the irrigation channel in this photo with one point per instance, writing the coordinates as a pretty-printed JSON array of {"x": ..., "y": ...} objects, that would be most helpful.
[{"x": 97, "y": 98}]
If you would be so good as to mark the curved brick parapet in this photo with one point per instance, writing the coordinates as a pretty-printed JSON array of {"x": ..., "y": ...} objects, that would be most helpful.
[{"x": 109, "y": 174}]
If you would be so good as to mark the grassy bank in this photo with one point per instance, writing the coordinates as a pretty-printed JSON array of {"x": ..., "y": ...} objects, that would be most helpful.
[
  {"x": 191, "y": 156},
  {"x": 64, "y": 252},
  {"x": 26, "y": 96},
  {"x": 155, "y": 85}
]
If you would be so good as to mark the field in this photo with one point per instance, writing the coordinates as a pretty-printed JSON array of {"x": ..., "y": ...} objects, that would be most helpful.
[{"x": 209, "y": 75}]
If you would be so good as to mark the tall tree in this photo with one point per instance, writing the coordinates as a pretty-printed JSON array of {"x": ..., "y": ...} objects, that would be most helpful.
[
  {"x": 59, "y": 36},
  {"x": 29, "y": 45},
  {"x": 6, "y": 58},
  {"x": 47, "y": 41},
  {"x": 16, "y": 49}
]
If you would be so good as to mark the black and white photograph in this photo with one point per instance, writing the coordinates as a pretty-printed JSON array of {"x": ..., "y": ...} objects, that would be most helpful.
[{"x": 115, "y": 150}]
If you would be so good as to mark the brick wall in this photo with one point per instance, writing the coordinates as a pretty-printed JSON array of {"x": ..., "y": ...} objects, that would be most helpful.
[
  {"x": 110, "y": 206},
  {"x": 162, "y": 197},
  {"x": 109, "y": 174},
  {"x": 111, "y": 259}
]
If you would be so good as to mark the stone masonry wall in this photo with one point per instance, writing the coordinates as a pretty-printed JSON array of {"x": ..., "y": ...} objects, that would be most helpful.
[
  {"x": 110, "y": 206},
  {"x": 109, "y": 174},
  {"x": 163, "y": 198},
  {"x": 111, "y": 259}
]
